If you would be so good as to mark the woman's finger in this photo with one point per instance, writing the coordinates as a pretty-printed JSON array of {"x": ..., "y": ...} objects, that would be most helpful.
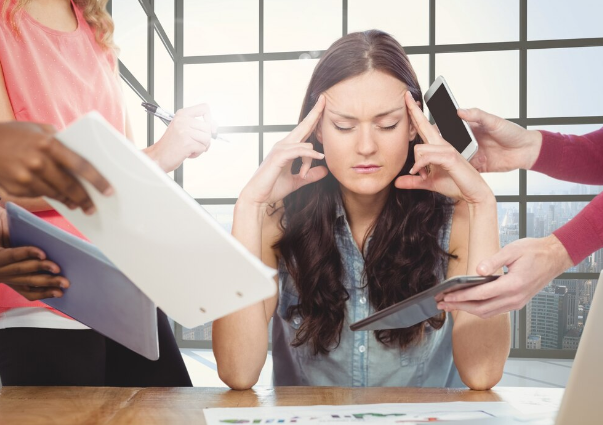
[
  {"x": 41, "y": 280},
  {"x": 28, "y": 267},
  {"x": 313, "y": 175},
  {"x": 426, "y": 131},
  {"x": 413, "y": 182},
  {"x": 77, "y": 165},
  {"x": 444, "y": 160},
  {"x": 308, "y": 124},
  {"x": 69, "y": 190},
  {"x": 32, "y": 294},
  {"x": 15, "y": 255},
  {"x": 297, "y": 151}
]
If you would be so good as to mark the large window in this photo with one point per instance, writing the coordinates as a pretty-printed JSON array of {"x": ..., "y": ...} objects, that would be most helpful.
[{"x": 535, "y": 62}]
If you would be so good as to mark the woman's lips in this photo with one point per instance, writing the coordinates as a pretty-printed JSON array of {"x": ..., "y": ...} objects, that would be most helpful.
[{"x": 366, "y": 169}]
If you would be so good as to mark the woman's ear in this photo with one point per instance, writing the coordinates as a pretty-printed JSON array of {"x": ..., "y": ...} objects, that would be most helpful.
[{"x": 412, "y": 131}]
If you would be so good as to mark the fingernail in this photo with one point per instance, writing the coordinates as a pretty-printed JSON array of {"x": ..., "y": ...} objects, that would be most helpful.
[
  {"x": 64, "y": 285},
  {"x": 109, "y": 191},
  {"x": 90, "y": 211},
  {"x": 462, "y": 110},
  {"x": 412, "y": 170},
  {"x": 322, "y": 156},
  {"x": 57, "y": 294}
]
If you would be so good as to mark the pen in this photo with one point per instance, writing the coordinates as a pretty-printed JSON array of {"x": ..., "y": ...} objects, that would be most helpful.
[{"x": 167, "y": 117}]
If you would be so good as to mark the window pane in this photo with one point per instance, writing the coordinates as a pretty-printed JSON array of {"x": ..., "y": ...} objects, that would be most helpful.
[
  {"x": 541, "y": 184},
  {"x": 486, "y": 80},
  {"x": 420, "y": 64},
  {"x": 295, "y": 25},
  {"x": 164, "y": 10},
  {"x": 565, "y": 82},
  {"x": 476, "y": 21},
  {"x": 218, "y": 27},
  {"x": 388, "y": 16},
  {"x": 551, "y": 19},
  {"x": 164, "y": 76},
  {"x": 545, "y": 217},
  {"x": 508, "y": 222},
  {"x": 503, "y": 183},
  {"x": 271, "y": 139},
  {"x": 230, "y": 89},
  {"x": 222, "y": 214},
  {"x": 137, "y": 116},
  {"x": 285, "y": 85},
  {"x": 224, "y": 169},
  {"x": 508, "y": 230},
  {"x": 131, "y": 37},
  {"x": 557, "y": 314}
]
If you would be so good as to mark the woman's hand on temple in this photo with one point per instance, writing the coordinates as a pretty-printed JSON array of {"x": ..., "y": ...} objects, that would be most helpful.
[
  {"x": 449, "y": 173},
  {"x": 187, "y": 136},
  {"x": 273, "y": 180}
]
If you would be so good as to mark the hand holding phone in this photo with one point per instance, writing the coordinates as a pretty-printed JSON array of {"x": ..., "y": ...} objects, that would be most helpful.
[{"x": 443, "y": 108}]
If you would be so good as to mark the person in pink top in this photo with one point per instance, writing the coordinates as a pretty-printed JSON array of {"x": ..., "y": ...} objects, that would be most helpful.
[
  {"x": 533, "y": 262},
  {"x": 58, "y": 62}
]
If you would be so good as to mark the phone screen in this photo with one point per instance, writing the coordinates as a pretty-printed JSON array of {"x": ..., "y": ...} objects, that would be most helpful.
[{"x": 450, "y": 125}]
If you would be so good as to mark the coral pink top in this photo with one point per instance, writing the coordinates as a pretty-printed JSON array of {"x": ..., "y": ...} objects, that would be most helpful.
[
  {"x": 55, "y": 77},
  {"x": 577, "y": 159}
]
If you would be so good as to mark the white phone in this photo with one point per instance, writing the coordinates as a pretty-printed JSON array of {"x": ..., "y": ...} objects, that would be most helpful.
[{"x": 443, "y": 108}]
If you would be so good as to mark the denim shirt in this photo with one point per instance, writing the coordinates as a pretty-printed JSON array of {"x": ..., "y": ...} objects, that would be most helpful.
[{"x": 360, "y": 360}]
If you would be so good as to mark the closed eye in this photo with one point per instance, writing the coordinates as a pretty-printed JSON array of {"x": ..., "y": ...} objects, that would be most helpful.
[
  {"x": 391, "y": 127},
  {"x": 343, "y": 128}
]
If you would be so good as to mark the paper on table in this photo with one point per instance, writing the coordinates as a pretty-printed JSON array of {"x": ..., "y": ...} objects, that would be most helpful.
[
  {"x": 368, "y": 413},
  {"x": 159, "y": 236}
]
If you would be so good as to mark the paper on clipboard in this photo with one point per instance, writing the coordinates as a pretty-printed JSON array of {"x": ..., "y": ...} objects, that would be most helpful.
[{"x": 160, "y": 237}]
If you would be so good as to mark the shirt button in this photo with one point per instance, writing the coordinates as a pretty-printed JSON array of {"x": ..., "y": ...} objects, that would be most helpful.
[
  {"x": 362, "y": 348},
  {"x": 363, "y": 300},
  {"x": 297, "y": 320}
]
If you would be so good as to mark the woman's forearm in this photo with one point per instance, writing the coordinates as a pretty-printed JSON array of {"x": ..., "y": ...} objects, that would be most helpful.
[
  {"x": 481, "y": 346},
  {"x": 240, "y": 340}
]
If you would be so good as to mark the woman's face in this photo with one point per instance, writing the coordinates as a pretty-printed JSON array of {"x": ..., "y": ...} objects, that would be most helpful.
[{"x": 365, "y": 131}]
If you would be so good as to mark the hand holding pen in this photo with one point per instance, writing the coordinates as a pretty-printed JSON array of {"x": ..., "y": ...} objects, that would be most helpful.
[
  {"x": 186, "y": 135},
  {"x": 167, "y": 117}
]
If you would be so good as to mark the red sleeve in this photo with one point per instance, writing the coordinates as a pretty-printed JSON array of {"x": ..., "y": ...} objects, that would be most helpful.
[
  {"x": 583, "y": 234},
  {"x": 576, "y": 159}
]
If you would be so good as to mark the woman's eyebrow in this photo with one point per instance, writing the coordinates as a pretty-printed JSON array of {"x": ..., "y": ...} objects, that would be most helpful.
[{"x": 382, "y": 114}]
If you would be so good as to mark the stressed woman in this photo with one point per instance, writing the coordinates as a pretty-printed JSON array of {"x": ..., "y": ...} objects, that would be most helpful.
[
  {"x": 381, "y": 208},
  {"x": 57, "y": 63}
]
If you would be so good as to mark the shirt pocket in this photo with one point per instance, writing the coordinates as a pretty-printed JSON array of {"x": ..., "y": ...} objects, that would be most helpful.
[{"x": 304, "y": 353}]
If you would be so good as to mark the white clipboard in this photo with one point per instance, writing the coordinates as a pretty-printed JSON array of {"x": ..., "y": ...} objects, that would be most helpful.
[{"x": 159, "y": 236}]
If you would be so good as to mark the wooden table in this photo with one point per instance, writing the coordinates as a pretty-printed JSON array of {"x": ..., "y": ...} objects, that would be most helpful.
[{"x": 87, "y": 405}]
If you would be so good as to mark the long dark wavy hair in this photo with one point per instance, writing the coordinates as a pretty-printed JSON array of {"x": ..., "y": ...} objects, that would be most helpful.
[{"x": 403, "y": 256}]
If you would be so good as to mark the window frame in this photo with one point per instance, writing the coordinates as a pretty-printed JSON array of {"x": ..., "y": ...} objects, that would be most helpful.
[{"x": 523, "y": 45}]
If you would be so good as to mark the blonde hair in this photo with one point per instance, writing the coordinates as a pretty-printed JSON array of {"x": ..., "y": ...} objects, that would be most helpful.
[{"x": 94, "y": 11}]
